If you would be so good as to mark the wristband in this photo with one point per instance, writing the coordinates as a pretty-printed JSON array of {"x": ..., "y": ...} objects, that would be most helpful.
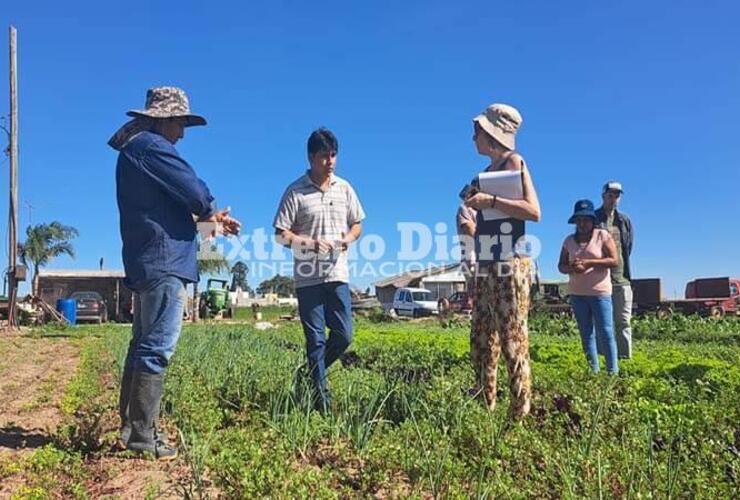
[{"x": 493, "y": 203}]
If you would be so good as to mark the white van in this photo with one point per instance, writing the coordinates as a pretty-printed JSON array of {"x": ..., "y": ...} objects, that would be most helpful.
[{"x": 414, "y": 302}]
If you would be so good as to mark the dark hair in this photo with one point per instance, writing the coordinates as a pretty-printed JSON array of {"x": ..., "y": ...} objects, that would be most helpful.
[{"x": 322, "y": 140}]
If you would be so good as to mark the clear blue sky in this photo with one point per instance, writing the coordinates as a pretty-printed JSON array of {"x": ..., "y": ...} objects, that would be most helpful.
[{"x": 644, "y": 92}]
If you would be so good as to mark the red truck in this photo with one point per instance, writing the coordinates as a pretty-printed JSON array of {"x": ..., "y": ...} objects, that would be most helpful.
[
  {"x": 461, "y": 302},
  {"x": 713, "y": 297}
]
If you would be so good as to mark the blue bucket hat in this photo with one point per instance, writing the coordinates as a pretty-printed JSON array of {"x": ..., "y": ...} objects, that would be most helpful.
[{"x": 582, "y": 208}]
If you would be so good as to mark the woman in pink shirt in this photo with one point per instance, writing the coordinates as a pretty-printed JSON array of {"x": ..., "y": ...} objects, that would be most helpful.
[{"x": 586, "y": 257}]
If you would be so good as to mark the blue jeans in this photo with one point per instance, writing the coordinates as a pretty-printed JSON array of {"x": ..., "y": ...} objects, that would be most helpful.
[
  {"x": 595, "y": 313},
  {"x": 327, "y": 304},
  {"x": 158, "y": 310}
]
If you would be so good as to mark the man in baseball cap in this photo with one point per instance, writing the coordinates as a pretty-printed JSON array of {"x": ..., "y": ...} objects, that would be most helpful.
[
  {"x": 160, "y": 198},
  {"x": 620, "y": 227}
]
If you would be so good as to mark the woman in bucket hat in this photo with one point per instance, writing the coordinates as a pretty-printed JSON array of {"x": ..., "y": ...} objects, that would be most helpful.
[
  {"x": 586, "y": 257},
  {"x": 503, "y": 277}
]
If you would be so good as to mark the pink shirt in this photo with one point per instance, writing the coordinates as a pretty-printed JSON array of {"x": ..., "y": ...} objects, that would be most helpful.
[{"x": 595, "y": 281}]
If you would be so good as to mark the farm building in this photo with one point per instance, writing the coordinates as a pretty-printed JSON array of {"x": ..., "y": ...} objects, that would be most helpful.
[
  {"x": 59, "y": 284},
  {"x": 441, "y": 281}
]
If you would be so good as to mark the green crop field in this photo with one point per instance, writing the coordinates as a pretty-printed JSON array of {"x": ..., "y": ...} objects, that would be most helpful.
[{"x": 402, "y": 424}]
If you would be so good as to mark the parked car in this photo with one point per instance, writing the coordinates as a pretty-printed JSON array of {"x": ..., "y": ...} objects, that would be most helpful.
[
  {"x": 414, "y": 302},
  {"x": 90, "y": 307},
  {"x": 461, "y": 302}
]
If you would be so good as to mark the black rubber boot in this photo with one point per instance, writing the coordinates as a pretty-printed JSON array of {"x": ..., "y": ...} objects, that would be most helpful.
[
  {"x": 146, "y": 393},
  {"x": 123, "y": 401}
]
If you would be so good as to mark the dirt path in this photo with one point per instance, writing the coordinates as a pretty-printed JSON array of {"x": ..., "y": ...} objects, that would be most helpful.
[{"x": 34, "y": 373}]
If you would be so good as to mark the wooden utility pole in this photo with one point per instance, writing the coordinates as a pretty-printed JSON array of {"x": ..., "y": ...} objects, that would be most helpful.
[{"x": 13, "y": 207}]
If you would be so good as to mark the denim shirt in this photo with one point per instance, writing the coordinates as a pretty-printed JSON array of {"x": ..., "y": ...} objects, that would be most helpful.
[{"x": 158, "y": 193}]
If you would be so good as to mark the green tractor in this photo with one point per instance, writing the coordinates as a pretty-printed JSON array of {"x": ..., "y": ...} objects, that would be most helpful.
[{"x": 216, "y": 300}]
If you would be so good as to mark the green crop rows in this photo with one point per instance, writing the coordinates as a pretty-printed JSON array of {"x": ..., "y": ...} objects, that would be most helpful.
[{"x": 403, "y": 425}]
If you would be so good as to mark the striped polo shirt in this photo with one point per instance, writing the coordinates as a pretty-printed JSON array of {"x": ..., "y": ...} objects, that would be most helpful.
[{"x": 308, "y": 211}]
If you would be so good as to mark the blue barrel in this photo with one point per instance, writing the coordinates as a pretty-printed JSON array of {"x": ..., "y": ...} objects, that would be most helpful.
[{"x": 68, "y": 309}]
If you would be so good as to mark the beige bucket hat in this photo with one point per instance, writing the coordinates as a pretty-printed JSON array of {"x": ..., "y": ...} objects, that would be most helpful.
[
  {"x": 168, "y": 102},
  {"x": 501, "y": 122}
]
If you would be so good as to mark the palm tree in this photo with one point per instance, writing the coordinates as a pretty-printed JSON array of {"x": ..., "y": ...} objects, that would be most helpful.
[
  {"x": 43, "y": 243},
  {"x": 214, "y": 265}
]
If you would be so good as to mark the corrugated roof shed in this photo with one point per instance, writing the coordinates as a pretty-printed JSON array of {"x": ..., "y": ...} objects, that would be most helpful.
[{"x": 402, "y": 280}]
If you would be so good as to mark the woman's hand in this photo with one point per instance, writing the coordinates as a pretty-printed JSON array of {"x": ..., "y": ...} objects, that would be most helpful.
[
  {"x": 479, "y": 201},
  {"x": 580, "y": 266}
]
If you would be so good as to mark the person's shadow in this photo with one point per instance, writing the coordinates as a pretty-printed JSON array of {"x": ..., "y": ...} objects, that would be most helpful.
[{"x": 14, "y": 437}]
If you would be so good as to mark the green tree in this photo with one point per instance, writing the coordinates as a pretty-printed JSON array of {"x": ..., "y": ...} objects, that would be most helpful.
[
  {"x": 239, "y": 277},
  {"x": 283, "y": 286},
  {"x": 44, "y": 242}
]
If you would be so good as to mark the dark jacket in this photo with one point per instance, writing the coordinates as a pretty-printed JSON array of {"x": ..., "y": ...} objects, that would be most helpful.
[
  {"x": 627, "y": 235},
  {"x": 158, "y": 193}
]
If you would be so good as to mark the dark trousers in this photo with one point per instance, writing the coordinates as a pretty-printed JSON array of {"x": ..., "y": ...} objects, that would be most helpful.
[{"x": 326, "y": 304}]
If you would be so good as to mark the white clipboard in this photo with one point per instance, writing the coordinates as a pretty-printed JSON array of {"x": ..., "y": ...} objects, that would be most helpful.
[{"x": 503, "y": 183}]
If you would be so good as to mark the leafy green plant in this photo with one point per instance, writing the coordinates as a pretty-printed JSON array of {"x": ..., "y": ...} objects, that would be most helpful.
[{"x": 402, "y": 423}]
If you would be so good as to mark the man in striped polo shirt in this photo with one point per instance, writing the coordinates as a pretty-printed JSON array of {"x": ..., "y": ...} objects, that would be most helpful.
[{"x": 318, "y": 218}]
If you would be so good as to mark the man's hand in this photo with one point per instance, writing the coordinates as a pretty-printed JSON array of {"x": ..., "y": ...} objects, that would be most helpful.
[
  {"x": 479, "y": 201},
  {"x": 231, "y": 226},
  {"x": 323, "y": 247},
  {"x": 225, "y": 223},
  {"x": 344, "y": 243}
]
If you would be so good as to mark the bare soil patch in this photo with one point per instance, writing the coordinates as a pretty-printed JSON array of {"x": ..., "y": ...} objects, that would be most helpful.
[{"x": 33, "y": 375}]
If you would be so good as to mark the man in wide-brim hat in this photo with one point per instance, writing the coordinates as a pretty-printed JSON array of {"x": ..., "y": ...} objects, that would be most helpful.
[{"x": 160, "y": 199}]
